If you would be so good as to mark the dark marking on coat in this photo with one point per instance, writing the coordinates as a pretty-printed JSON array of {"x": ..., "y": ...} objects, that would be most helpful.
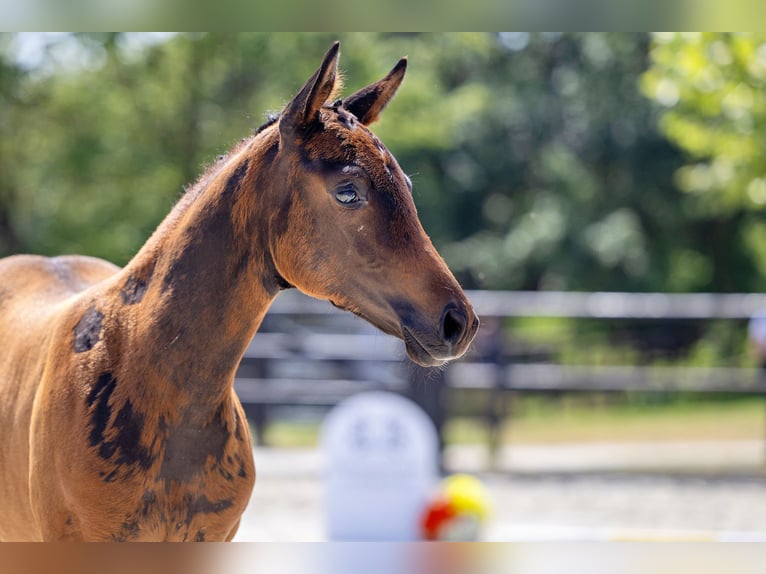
[
  {"x": 128, "y": 531},
  {"x": 102, "y": 411},
  {"x": 202, "y": 505},
  {"x": 149, "y": 499},
  {"x": 200, "y": 536},
  {"x": 68, "y": 521},
  {"x": 237, "y": 429},
  {"x": 188, "y": 447},
  {"x": 282, "y": 283},
  {"x": 206, "y": 260},
  {"x": 241, "y": 265},
  {"x": 134, "y": 290},
  {"x": 242, "y": 473},
  {"x": 235, "y": 181},
  {"x": 225, "y": 473},
  {"x": 87, "y": 332},
  {"x": 128, "y": 425}
]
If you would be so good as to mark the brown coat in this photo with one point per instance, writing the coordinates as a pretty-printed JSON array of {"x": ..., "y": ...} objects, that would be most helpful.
[{"x": 117, "y": 410}]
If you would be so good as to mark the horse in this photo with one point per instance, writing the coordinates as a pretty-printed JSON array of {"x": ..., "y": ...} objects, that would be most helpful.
[{"x": 118, "y": 417}]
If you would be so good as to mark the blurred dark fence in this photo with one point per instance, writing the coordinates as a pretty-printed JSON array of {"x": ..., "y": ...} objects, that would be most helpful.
[{"x": 309, "y": 354}]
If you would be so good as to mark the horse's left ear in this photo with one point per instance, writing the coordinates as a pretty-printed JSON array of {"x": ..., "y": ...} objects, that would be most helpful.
[
  {"x": 368, "y": 103},
  {"x": 304, "y": 108}
]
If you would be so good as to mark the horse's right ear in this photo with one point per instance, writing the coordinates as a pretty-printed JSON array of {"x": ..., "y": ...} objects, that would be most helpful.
[
  {"x": 304, "y": 108},
  {"x": 368, "y": 103}
]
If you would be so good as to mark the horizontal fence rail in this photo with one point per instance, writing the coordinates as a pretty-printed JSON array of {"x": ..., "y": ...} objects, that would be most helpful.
[
  {"x": 550, "y": 377},
  {"x": 606, "y": 305},
  {"x": 311, "y": 354}
]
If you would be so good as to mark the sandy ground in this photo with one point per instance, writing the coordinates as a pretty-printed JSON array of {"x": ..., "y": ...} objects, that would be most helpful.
[{"x": 638, "y": 491}]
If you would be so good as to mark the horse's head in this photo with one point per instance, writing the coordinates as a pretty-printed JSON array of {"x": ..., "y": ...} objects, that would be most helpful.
[{"x": 347, "y": 230}]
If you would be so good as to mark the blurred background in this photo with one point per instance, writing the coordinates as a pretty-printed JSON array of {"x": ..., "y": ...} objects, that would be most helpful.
[{"x": 602, "y": 196}]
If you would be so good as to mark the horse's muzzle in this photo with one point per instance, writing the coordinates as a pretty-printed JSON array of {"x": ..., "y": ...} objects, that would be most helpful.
[{"x": 432, "y": 347}]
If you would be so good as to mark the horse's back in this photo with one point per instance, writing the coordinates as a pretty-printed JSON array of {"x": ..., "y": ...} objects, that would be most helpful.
[
  {"x": 34, "y": 291},
  {"x": 49, "y": 278}
]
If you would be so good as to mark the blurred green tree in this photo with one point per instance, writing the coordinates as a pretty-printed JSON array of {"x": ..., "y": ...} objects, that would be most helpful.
[
  {"x": 711, "y": 87},
  {"x": 10, "y": 79},
  {"x": 537, "y": 161}
]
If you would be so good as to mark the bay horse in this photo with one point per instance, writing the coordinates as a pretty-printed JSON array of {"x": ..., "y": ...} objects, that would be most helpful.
[{"x": 118, "y": 418}]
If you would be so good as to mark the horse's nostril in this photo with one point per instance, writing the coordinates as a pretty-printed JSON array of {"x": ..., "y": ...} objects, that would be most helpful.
[{"x": 453, "y": 325}]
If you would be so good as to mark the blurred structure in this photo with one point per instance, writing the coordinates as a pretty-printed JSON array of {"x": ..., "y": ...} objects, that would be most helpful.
[
  {"x": 756, "y": 332},
  {"x": 310, "y": 356},
  {"x": 380, "y": 456}
]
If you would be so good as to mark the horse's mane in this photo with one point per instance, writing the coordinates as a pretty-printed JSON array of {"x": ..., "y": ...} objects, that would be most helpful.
[
  {"x": 193, "y": 191},
  {"x": 271, "y": 119}
]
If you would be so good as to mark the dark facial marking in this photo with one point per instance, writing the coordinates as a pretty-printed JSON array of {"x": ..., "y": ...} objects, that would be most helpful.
[
  {"x": 134, "y": 290},
  {"x": 88, "y": 330},
  {"x": 200, "y": 536}
]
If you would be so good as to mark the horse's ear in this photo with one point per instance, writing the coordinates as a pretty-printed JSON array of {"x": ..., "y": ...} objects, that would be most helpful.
[
  {"x": 368, "y": 103},
  {"x": 303, "y": 109}
]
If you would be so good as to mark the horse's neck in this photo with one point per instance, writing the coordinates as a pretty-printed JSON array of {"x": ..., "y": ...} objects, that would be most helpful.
[{"x": 200, "y": 288}]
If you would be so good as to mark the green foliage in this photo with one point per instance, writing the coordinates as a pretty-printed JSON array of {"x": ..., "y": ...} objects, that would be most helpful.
[
  {"x": 711, "y": 87},
  {"x": 537, "y": 160},
  {"x": 562, "y": 197}
]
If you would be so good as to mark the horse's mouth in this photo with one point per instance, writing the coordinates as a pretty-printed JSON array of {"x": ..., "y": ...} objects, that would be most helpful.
[
  {"x": 388, "y": 327},
  {"x": 417, "y": 352}
]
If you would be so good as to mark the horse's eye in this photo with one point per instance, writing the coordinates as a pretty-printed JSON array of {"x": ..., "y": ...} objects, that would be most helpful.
[{"x": 346, "y": 194}]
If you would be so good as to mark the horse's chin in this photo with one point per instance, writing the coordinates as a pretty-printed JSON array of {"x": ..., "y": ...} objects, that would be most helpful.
[
  {"x": 418, "y": 353},
  {"x": 426, "y": 361}
]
